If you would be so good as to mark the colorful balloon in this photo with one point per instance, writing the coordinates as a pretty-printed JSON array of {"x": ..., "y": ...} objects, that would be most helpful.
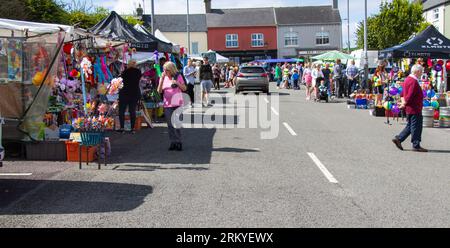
[
  {"x": 387, "y": 105},
  {"x": 431, "y": 93},
  {"x": 395, "y": 109},
  {"x": 426, "y": 103},
  {"x": 440, "y": 62},
  {"x": 447, "y": 66},
  {"x": 393, "y": 91},
  {"x": 438, "y": 67},
  {"x": 400, "y": 90},
  {"x": 435, "y": 104}
]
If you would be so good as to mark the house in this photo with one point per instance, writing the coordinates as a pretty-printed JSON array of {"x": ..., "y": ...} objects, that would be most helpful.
[
  {"x": 174, "y": 28},
  {"x": 308, "y": 31},
  {"x": 242, "y": 35},
  {"x": 437, "y": 12}
]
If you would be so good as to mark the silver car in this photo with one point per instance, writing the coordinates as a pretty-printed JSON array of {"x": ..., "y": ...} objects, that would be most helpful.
[{"x": 252, "y": 78}]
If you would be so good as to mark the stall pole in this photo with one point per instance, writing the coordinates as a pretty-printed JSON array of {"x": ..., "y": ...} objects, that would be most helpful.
[
  {"x": 2, "y": 150},
  {"x": 83, "y": 88}
]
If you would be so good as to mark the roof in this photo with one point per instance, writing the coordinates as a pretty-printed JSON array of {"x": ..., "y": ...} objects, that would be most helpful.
[
  {"x": 33, "y": 27},
  {"x": 429, "y": 4},
  {"x": 241, "y": 17},
  {"x": 177, "y": 23},
  {"x": 307, "y": 15}
]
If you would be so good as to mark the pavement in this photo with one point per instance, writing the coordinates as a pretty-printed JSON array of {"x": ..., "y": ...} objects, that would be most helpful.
[{"x": 330, "y": 166}]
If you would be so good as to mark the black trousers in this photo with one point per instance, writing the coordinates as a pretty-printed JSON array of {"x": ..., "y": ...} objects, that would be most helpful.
[
  {"x": 217, "y": 83},
  {"x": 190, "y": 92},
  {"x": 131, "y": 103}
]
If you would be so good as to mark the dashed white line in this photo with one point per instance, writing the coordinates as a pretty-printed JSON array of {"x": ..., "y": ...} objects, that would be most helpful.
[
  {"x": 265, "y": 99},
  {"x": 322, "y": 168},
  {"x": 289, "y": 128},
  {"x": 15, "y": 174}
]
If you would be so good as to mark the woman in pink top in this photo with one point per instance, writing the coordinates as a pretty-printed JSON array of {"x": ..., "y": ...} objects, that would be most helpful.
[
  {"x": 171, "y": 85},
  {"x": 307, "y": 78}
]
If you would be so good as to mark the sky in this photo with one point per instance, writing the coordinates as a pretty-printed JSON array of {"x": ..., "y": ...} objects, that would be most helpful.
[{"x": 197, "y": 6}]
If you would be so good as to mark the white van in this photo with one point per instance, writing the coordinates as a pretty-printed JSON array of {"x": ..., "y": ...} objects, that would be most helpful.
[{"x": 359, "y": 59}]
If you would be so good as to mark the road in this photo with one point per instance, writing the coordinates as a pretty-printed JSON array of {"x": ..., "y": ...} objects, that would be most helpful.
[{"x": 330, "y": 166}]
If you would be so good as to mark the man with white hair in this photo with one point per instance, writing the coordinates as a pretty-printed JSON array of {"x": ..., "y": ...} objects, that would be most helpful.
[{"x": 412, "y": 102}]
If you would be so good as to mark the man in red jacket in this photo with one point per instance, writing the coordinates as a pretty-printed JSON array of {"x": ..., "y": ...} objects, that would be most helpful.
[{"x": 412, "y": 102}]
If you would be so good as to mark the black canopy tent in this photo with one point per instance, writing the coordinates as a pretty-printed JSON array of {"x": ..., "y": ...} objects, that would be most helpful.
[
  {"x": 430, "y": 43},
  {"x": 114, "y": 27}
]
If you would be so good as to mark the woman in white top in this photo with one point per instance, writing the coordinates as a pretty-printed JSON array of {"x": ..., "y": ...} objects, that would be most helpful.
[{"x": 317, "y": 75}]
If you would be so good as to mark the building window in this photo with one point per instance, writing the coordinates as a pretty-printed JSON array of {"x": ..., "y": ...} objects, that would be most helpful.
[
  {"x": 257, "y": 40},
  {"x": 232, "y": 40},
  {"x": 436, "y": 14},
  {"x": 322, "y": 38},
  {"x": 194, "y": 48},
  {"x": 290, "y": 39}
]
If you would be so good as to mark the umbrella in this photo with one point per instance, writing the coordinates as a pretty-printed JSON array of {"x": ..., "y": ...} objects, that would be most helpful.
[{"x": 332, "y": 56}]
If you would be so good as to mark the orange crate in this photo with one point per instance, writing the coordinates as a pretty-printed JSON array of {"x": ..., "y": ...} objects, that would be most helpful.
[{"x": 73, "y": 155}]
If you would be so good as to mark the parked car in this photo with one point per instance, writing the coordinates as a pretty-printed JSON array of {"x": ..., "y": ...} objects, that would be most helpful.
[{"x": 252, "y": 78}]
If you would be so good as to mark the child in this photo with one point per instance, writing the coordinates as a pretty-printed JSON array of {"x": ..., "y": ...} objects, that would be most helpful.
[
  {"x": 295, "y": 77},
  {"x": 286, "y": 78}
]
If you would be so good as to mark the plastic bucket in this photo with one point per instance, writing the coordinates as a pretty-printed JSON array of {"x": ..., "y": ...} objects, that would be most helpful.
[
  {"x": 428, "y": 116},
  {"x": 444, "y": 117}
]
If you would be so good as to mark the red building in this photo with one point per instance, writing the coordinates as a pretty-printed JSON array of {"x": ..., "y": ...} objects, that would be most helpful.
[{"x": 243, "y": 35}]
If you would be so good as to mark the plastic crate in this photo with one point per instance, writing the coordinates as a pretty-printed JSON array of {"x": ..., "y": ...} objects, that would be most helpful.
[
  {"x": 92, "y": 138},
  {"x": 46, "y": 151},
  {"x": 87, "y": 153}
]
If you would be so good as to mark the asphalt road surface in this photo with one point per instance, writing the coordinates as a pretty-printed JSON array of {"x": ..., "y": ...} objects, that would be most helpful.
[{"x": 330, "y": 166}]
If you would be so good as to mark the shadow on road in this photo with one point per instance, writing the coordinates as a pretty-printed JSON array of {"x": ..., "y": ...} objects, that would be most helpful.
[
  {"x": 150, "y": 146},
  {"x": 431, "y": 151},
  {"x": 70, "y": 197}
]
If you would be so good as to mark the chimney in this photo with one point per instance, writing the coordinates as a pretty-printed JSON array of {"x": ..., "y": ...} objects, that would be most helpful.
[
  {"x": 208, "y": 6},
  {"x": 335, "y": 4}
]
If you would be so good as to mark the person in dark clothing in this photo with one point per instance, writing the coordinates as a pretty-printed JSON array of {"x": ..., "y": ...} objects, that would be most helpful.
[
  {"x": 206, "y": 81},
  {"x": 130, "y": 94}
]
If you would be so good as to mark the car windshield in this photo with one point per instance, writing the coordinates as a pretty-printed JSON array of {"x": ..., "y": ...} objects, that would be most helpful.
[{"x": 252, "y": 70}]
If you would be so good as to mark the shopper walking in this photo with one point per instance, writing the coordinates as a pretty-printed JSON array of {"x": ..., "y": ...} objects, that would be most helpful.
[
  {"x": 278, "y": 75},
  {"x": 338, "y": 78},
  {"x": 327, "y": 77},
  {"x": 216, "y": 76},
  {"x": 171, "y": 85},
  {"x": 130, "y": 94},
  {"x": 206, "y": 77},
  {"x": 190, "y": 72},
  {"x": 307, "y": 78},
  {"x": 412, "y": 102},
  {"x": 317, "y": 76},
  {"x": 352, "y": 77}
]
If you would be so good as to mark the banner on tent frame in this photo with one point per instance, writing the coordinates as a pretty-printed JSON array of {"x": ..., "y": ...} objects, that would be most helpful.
[
  {"x": 144, "y": 46},
  {"x": 212, "y": 57}
]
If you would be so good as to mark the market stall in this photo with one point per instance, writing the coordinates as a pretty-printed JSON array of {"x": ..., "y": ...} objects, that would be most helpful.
[{"x": 433, "y": 49}]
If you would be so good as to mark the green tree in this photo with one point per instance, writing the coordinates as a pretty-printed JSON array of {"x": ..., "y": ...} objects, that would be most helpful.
[
  {"x": 87, "y": 20},
  {"x": 372, "y": 42},
  {"x": 133, "y": 20},
  {"x": 47, "y": 11},
  {"x": 395, "y": 24},
  {"x": 14, "y": 9}
]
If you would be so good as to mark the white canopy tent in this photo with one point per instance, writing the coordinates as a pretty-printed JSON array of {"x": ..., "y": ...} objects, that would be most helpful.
[
  {"x": 219, "y": 58},
  {"x": 158, "y": 34},
  {"x": 140, "y": 57}
]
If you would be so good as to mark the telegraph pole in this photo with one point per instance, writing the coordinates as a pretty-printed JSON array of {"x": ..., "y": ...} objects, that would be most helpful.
[
  {"x": 366, "y": 59},
  {"x": 348, "y": 25},
  {"x": 153, "y": 17},
  {"x": 188, "y": 29}
]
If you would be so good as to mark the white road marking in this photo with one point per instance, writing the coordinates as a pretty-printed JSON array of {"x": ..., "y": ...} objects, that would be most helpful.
[
  {"x": 290, "y": 129},
  {"x": 322, "y": 168},
  {"x": 274, "y": 111},
  {"x": 265, "y": 99},
  {"x": 15, "y": 174}
]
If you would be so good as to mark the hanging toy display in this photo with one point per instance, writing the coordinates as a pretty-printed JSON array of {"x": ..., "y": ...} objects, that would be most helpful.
[
  {"x": 86, "y": 66},
  {"x": 388, "y": 105}
]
